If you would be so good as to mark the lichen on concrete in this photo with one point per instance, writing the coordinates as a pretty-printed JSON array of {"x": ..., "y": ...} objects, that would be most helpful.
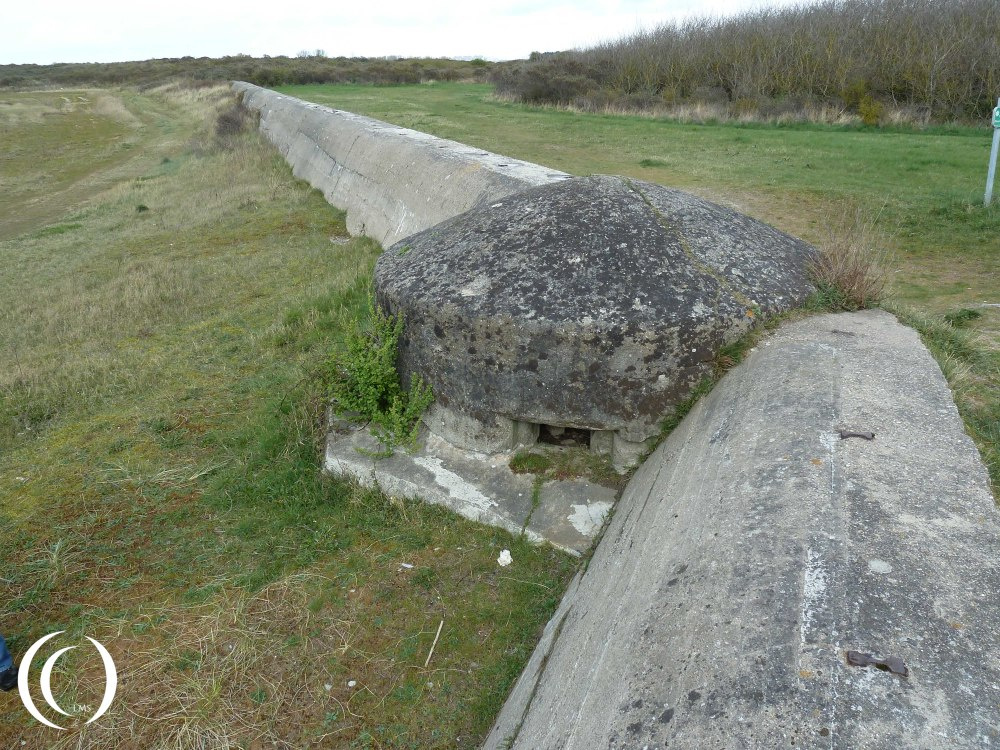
[{"x": 596, "y": 303}]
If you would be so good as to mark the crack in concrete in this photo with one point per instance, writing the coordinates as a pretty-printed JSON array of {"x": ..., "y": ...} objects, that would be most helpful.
[{"x": 700, "y": 264}]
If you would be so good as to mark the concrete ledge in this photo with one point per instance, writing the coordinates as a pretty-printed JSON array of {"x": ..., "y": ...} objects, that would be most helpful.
[
  {"x": 756, "y": 547},
  {"x": 567, "y": 514},
  {"x": 392, "y": 181}
]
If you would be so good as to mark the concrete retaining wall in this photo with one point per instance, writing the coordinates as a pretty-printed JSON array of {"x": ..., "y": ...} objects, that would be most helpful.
[
  {"x": 392, "y": 181},
  {"x": 756, "y": 547}
]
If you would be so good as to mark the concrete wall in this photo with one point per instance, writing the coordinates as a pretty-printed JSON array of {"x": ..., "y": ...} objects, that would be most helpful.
[
  {"x": 392, "y": 181},
  {"x": 755, "y": 548}
]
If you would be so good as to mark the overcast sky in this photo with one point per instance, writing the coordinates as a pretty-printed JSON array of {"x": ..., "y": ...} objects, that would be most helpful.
[{"x": 111, "y": 30}]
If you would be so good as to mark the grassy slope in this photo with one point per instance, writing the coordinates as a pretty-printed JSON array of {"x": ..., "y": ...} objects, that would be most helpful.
[
  {"x": 922, "y": 190},
  {"x": 87, "y": 135},
  {"x": 159, "y": 475}
]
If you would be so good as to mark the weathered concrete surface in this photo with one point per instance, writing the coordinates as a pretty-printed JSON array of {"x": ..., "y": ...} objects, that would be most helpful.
[
  {"x": 756, "y": 547},
  {"x": 595, "y": 303},
  {"x": 392, "y": 181},
  {"x": 567, "y": 514}
]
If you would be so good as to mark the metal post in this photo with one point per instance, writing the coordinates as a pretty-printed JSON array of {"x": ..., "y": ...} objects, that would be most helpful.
[{"x": 993, "y": 156}]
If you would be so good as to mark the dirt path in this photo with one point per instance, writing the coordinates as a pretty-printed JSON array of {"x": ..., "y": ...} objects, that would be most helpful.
[{"x": 83, "y": 142}]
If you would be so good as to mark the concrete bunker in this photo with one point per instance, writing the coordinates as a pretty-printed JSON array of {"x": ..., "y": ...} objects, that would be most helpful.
[{"x": 583, "y": 310}]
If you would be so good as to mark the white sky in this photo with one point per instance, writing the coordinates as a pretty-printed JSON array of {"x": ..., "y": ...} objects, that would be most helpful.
[{"x": 113, "y": 30}]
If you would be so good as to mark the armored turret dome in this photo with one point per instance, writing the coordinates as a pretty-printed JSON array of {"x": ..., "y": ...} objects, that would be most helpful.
[{"x": 594, "y": 303}]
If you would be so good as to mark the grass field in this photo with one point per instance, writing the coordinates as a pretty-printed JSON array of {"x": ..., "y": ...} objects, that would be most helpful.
[
  {"x": 919, "y": 191},
  {"x": 169, "y": 298}
]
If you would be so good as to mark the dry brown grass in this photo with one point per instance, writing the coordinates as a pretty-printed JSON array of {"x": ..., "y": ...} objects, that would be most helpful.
[
  {"x": 218, "y": 674},
  {"x": 851, "y": 269}
]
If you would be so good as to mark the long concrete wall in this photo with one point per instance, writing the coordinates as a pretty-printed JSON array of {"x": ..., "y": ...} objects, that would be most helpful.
[
  {"x": 756, "y": 548},
  {"x": 392, "y": 181}
]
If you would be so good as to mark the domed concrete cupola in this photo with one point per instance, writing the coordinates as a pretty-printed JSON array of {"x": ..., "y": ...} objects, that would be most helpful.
[{"x": 594, "y": 304}]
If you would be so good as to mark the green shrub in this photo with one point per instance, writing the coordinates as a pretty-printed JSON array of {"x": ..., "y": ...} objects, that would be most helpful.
[
  {"x": 871, "y": 110},
  {"x": 365, "y": 383}
]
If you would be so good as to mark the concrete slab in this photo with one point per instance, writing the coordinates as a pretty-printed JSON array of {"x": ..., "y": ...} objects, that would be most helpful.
[
  {"x": 567, "y": 514},
  {"x": 757, "y": 547}
]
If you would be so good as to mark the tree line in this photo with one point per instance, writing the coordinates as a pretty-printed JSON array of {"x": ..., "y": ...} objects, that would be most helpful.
[
  {"x": 928, "y": 60},
  {"x": 263, "y": 71}
]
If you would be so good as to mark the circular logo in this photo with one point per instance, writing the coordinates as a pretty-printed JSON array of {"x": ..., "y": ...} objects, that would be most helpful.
[{"x": 45, "y": 680}]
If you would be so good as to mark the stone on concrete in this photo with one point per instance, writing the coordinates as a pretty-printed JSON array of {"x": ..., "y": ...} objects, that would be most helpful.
[
  {"x": 756, "y": 547},
  {"x": 595, "y": 303},
  {"x": 392, "y": 181}
]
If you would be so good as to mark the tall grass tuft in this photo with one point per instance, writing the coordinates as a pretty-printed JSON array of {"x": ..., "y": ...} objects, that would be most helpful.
[
  {"x": 231, "y": 123},
  {"x": 850, "y": 271}
]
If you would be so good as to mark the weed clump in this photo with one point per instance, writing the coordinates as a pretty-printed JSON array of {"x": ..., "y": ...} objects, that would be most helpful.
[
  {"x": 560, "y": 463},
  {"x": 231, "y": 123},
  {"x": 365, "y": 382},
  {"x": 962, "y": 318},
  {"x": 530, "y": 463},
  {"x": 849, "y": 271}
]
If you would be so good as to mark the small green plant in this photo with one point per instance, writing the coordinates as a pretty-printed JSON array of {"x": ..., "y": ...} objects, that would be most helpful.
[
  {"x": 365, "y": 381},
  {"x": 681, "y": 410},
  {"x": 559, "y": 463},
  {"x": 530, "y": 463}
]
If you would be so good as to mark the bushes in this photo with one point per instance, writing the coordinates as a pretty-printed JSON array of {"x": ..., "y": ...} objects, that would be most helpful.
[
  {"x": 231, "y": 123},
  {"x": 870, "y": 110},
  {"x": 872, "y": 59},
  {"x": 557, "y": 80},
  {"x": 265, "y": 71}
]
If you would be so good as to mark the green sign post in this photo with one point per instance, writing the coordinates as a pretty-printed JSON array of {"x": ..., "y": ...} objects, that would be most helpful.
[{"x": 991, "y": 174}]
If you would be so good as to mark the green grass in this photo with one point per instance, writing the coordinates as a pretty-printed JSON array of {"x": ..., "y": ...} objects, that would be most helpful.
[
  {"x": 556, "y": 462},
  {"x": 919, "y": 191},
  {"x": 161, "y": 402},
  {"x": 161, "y": 407}
]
